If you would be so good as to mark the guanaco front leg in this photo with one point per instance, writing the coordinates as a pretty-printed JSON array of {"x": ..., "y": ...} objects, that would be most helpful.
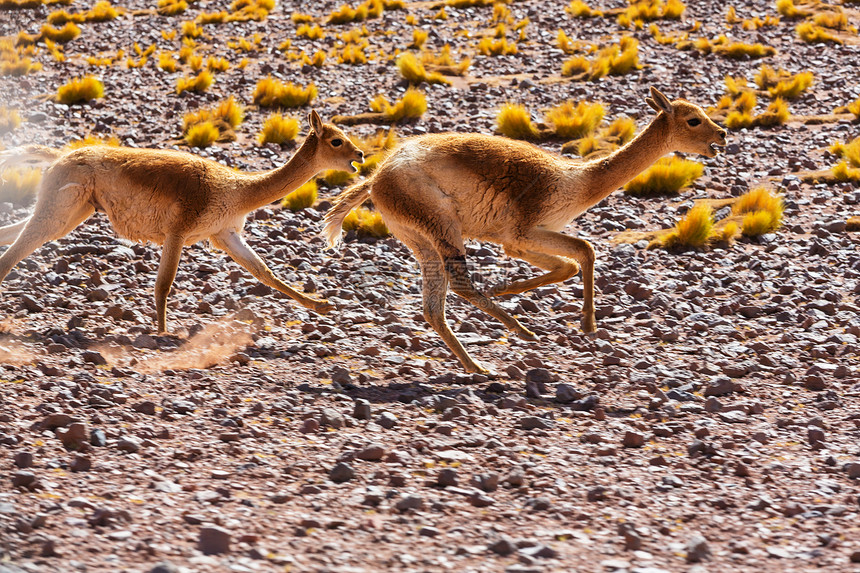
[
  {"x": 552, "y": 243},
  {"x": 170, "y": 253},
  {"x": 560, "y": 269},
  {"x": 233, "y": 244}
]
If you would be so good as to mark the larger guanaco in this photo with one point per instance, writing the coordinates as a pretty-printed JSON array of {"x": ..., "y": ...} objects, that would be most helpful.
[
  {"x": 167, "y": 197},
  {"x": 436, "y": 190}
]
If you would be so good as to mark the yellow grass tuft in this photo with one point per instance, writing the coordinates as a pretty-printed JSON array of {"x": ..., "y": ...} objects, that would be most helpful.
[
  {"x": 622, "y": 128},
  {"x": 514, "y": 121},
  {"x": 850, "y": 151},
  {"x": 776, "y": 114},
  {"x": 854, "y": 107},
  {"x": 90, "y": 140},
  {"x": 171, "y": 7},
  {"x": 270, "y": 92},
  {"x": 198, "y": 84},
  {"x": 842, "y": 171},
  {"x": 202, "y": 134},
  {"x": 616, "y": 60},
  {"x": 10, "y": 119},
  {"x": 573, "y": 121},
  {"x": 63, "y": 35},
  {"x": 496, "y": 47},
  {"x": 758, "y": 223},
  {"x": 310, "y": 32},
  {"x": 694, "y": 230},
  {"x": 302, "y": 198},
  {"x": 445, "y": 63},
  {"x": 666, "y": 177},
  {"x": 18, "y": 186},
  {"x": 759, "y": 199},
  {"x": 419, "y": 37},
  {"x": 413, "y": 71},
  {"x": 317, "y": 60},
  {"x": 365, "y": 223},
  {"x": 813, "y": 34},
  {"x": 579, "y": 9},
  {"x": 80, "y": 90},
  {"x": 789, "y": 10},
  {"x": 740, "y": 50},
  {"x": 413, "y": 104},
  {"x": 278, "y": 129}
]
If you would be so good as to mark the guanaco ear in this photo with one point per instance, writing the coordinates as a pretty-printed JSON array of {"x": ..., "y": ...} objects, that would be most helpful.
[
  {"x": 316, "y": 122},
  {"x": 659, "y": 101}
]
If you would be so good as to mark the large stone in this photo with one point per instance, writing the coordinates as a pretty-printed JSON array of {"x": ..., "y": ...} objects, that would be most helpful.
[{"x": 213, "y": 540}]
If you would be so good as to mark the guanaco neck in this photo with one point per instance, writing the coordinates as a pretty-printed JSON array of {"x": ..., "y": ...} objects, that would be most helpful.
[
  {"x": 606, "y": 175},
  {"x": 260, "y": 189}
]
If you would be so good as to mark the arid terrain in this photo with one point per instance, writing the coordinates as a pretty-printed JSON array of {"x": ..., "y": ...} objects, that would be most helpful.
[{"x": 710, "y": 424}]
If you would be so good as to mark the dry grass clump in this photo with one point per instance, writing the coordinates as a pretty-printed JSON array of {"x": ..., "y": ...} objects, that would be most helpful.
[
  {"x": 852, "y": 225},
  {"x": 788, "y": 9},
  {"x": 79, "y": 90},
  {"x": 579, "y": 9},
  {"x": 365, "y": 223},
  {"x": 10, "y": 119},
  {"x": 695, "y": 229},
  {"x": 761, "y": 212},
  {"x": 270, "y": 92},
  {"x": 171, "y": 7},
  {"x": 814, "y": 34},
  {"x": 202, "y": 134},
  {"x": 515, "y": 121},
  {"x": 90, "y": 139},
  {"x": 317, "y": 60},
  {"x": 310, "y": 32},
  {"x": 419, "y": 38},
  {"x": 63, "y": 35},
  {"x": 413, "y": 71},
  {"x": 848, "y": 169},
  {"x": 198, "y": 84},
  {"x": 19, "y": 186},
  {"x": 639, "y": 12},
  {"x": 733, "y": 50},
  {"x": 741, "y": 115},
  {"x": 496, "y": 47},
  {"x": 666, "y": 177},
  {"x": 854, "y": 108},
  {"x": 278, "y": 129},
  {"x": 368, "y": 9},
  {"x": 353, "y": 54},
  {"x": 226, "y": 117},
  {"x": 780, "y": 83},
  {"x": 413, "y": 104},
  {"x": 102, "y": 11},
  {"x": 444, "y": 63},
  {"x": 17, "y": 60},
  {"x": 574, "y": 121},
  {"x": 664, "y": 39},
  {"x": 614, "y": 60},
  {"x": 302, "y": 198}
]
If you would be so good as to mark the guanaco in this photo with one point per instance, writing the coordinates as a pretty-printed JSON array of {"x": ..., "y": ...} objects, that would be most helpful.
[
  {"x": 436, "y": 190},
  {"x": 167, "y": 197}
]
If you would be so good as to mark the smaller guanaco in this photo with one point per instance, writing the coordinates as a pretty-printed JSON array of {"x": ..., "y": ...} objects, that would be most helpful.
[{"x": 167, "y": 197}]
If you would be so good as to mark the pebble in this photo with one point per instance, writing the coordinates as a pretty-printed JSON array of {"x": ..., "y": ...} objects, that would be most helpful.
[
  {"x": 23, "y": 479},
  {"x": 371, "y": 453},
  {"x": 81, "y": 464},
  {"x": 503, "y": 546},
  {"x": 362, "y": 410},
  {"x": 565, "y": 393},
  {"x": 341, "y": 472},
  {"x": 164, "y": 567},
  {"x": 447, "y": 477},
  {"x": 98, "y": 438},
  {"x": 697, "y": 549},
  {"x": 387, "y": 420},
  {"x": 535, "y": 423},
  {"x": 332, "y": 418},
  {"x": 213, "y": 540},
  {"x": 23, "y": 459},
  {"x": 309, "y": 426},
  {"x": 74, "y": 437},
  {"x": 128, "y": 444},
  {"x": 633, "y": 439},
  {"x": 413, "y": 502}
]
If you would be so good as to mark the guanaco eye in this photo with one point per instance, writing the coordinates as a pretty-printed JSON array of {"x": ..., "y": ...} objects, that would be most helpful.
[
  {"x": 694, "y": 122},
  {"x": 336, "y": 142}
]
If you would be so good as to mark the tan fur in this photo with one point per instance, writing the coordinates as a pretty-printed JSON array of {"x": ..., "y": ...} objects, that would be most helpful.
[
  {"x": 167, "y": 197},
  {"x": 434, "y": 191}
]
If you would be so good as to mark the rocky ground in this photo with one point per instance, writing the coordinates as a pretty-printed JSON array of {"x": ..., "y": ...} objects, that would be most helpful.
[{"x": 710, "y": 424}]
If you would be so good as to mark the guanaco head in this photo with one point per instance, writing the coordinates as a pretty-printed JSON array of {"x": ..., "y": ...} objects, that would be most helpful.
[
  {"x": 691, "y": 130},
  {"x": 334, "y": 149}
]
